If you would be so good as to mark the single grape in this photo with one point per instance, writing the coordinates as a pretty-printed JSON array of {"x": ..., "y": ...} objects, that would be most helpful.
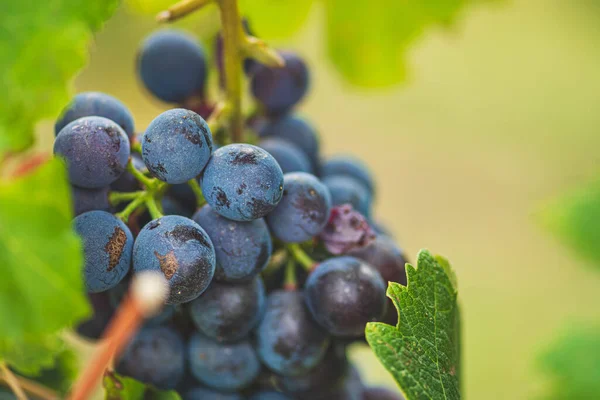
[
  {"x": 304, "y": 210},
  {"x": 349, "y": 166},
  {"x": 289, "y": 156},
  {"x": 107, "y": 246},
  {"x": 85, "y": 200},
  {"x": 242, "y": 249},
  {"x": 228, "y": 312},
  {"x": 177, "y": 145},
  {"x": 347, "y": 190},
  {"x": 155, "y": 356},
  {"x": 279, "y": 89},
  {"x": 182, "y": 250},
  {"x": 380, "y": 393},
  {"x": 242, "y": 182},
  {"x": 96, "y": 104},
  {"x": 269, "y": 396},
  {"x": 295, "y": 130},
  {"x": 327, "y": 373},
  {"x": 102, "y": 313},
  {"x": 344, "y": 293},
  {"x": 96, "y": 151},
  {"x": 386, "y": 257},
  {"x": 184, "y": 195},
  {"x": 228, "y": 367},
  {"x": 288, "y": 340},
  {"x": 209, "y": 394},
  {"x": 172, "y": 65}
]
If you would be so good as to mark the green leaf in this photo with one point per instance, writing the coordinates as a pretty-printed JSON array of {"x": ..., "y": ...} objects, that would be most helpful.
[
  {"x": 575, "y": 218},
  {"x": 572, "y": 364},
  {"x": 61, "y": 376},
  {"x": 275, "y": 19},
  {"x": 42, "y": 45},
  {"x": 41, "y": 290},
  {"x": 123, "y": 388},
  {"x": 423, "y": 351},
  {"x": 368, "y": 40}
]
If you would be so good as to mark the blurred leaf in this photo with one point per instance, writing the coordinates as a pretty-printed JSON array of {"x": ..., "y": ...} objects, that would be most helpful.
[
  {"x": 151, "y": 7},
  {"x": 572, "y": 365},
  {"x": 122, "y": 388},
  {"x": 422, "y": 352},
  {"x": 42, "y": 45},
  {"x": 275, "y": 19},
  {"x": 41, "y": 290},
  {"x": 368, "y": 40},
  {"x": 575, "y": 218},
  {"x": 61, "y": 376}
]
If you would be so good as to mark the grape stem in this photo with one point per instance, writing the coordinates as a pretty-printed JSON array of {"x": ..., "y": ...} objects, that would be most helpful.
[
  {"x": 136, "y": 147},
  {"x": 149, "y": 183},
  {"x": 181, "y": 9},
  {"x": 290, "y": 276},
  {"x": 153, "y": 207},
  {"x": 33, "y": 388},
  {"x": 231, "y": 23},
  {"x": 131, "y": 207},
  {"x": 12, "y": 382},
  {"x": 118, "y": 197},
  {"x": 200, "y": 200},
  {"x": 300, "y": 256}
]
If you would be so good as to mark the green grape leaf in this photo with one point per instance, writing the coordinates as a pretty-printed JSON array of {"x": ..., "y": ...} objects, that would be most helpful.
[
  {"x": 275, "y": 19},
  {"x": 423, "y": 351},
  {"x": 123, "y": 388},
  {"x": 575, "y": 218},
  {"x": 572, "y": 364},
  {"x": 41, "y": 288},
  {"x": 368, "y": 40},
  {"x": 62, "y": 374},
  {"x": 42, "y": 46},
  {"x": 29, "y": 355}
]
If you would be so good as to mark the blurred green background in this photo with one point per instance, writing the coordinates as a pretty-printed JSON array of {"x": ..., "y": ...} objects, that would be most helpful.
[{"x": 498, "y": 116}]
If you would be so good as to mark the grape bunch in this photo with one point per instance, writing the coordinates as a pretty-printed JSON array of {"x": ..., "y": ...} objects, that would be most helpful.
[{"x": 270, "y": 250}]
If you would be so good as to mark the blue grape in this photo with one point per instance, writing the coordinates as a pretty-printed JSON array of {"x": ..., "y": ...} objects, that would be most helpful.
[
  {"x": 155, "y": 356},
  {"x": 304, "y": 210},
  {"x": 228, "y": 367},
  {"x": 288, "y": 340},
  {"x": 96, "y": 104},
  {"x": 209, "y": 394},
  {"x": 289, "y": 157},
  {"x": 172, "y": 65},
  {"x": 344, "y": 293},
  {"x": 279, "y": 89},
  {"x": 295, "y": 130},
  {"x": 107, "y": 246},
  {"x": 184, "y": 195},
  {"x": 103, "y": 311},
  {"x": 177, "y": 145},
  {"x": 96, "y": 151},
  {"x": 347, "y": 190},
  {"x": 85, "y": 200},
  {"x": 242, "y": 182},
  {"x": 386, "y": 257},
  {"x": 182, "y": 250},
  {"x": 270, "y": 396},
  {"x": 242, "y": 249},
  {"x": 380, "y": 393},
  {"x": 228, "y": 312},
  {"x": 349, "y": 166}
]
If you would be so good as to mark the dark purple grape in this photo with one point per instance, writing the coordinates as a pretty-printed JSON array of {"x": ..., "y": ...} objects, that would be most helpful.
[
  {"x": 279, "y": 89},
  {"x": 349, "y": 166},
  {"x": 347, "y": 190},
  {"x": 344, "y": 293},
  {"x": 228, "y": 312},
  {"x": 303, "y": 211},
  {"x": 288, "y": 341},
  {"x": 102, "y": 313},
  {"x": 289, "y": 156},
  {"x": 85, "y": 200},
  {"x": 95, "y": 149},
  {"x": 386, "y": 257}
]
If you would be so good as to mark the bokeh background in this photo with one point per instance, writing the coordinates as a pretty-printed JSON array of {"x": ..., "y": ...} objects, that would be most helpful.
[{"x": 499, "y": 115}]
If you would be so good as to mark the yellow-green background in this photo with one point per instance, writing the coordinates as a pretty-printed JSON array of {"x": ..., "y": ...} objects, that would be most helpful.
[{"x": 499, "y": 115}]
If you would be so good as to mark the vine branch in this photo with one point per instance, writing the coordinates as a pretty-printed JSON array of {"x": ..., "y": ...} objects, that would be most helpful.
[{"x": 12, "y": 382}]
